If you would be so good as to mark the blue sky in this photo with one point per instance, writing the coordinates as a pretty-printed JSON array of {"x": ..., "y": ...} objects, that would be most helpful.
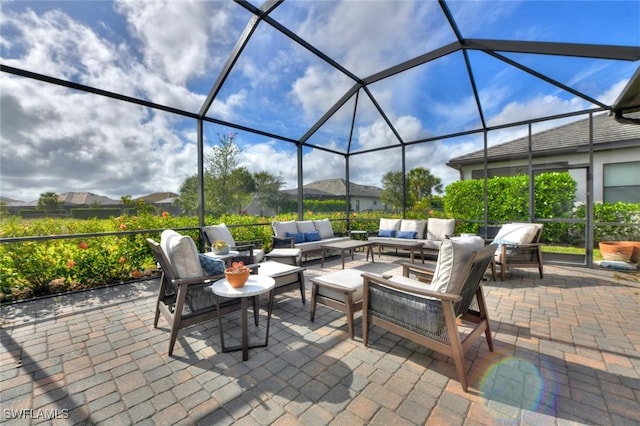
[{"x": 171, "y": 52}]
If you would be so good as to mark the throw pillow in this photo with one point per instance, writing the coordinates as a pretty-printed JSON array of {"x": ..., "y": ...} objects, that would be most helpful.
[
  {"x": 411, "y": 235},
  {"x": 312, "y": 236},
  {"x": 324, "y": 228},
  {"x": 306, "y": 226},
  {"x": 386, "y": 233},
  {"x": 298, "y": 237},
  {"x": 211, "y": 266}
]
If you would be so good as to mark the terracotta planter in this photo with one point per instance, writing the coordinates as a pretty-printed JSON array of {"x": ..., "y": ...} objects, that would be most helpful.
[
  {"x": 624, "y": 251},
  {"x": 237, "y": 279}
]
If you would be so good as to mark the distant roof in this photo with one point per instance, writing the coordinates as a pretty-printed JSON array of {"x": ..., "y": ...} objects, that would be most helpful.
[
  {"x": 337, "y": 187},
  {"x": 608, "y": 132},
  {"x": 629, "y": 99},
  {"x": 158, "y": 197},
  {"x": 86, "y": 199}
]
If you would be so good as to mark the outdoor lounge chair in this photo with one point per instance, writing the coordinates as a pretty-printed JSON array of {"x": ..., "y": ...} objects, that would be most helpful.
[
  {"x": 518, "y": 247},
  {"x": 184, "y": 298},
  {"x": 250, "y": 251},
  {"x": 442, "y": 309}
]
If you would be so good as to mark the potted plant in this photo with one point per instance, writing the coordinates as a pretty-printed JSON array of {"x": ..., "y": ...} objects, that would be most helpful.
[
  {"x": 220, "y": 247},
  {"x": 237, "y": 274}
]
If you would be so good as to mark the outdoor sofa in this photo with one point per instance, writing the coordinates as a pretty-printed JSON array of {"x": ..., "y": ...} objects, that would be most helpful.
[
  {"x": 306, "y": 235},
  {"x": 430, "y": 232}
]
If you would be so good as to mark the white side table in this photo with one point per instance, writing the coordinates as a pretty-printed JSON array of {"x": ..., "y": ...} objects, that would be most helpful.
[{"x": 255, "y": 286}]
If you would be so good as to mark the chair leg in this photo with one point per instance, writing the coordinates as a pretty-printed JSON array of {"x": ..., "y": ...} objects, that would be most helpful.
[
  {"x": 540, "y": 262},
  {"x": 314, "y": 302},
  {"x": 177, "y": 315},
  {"x": 493, "y": 269},
  {"x": 302, "y": 295}
]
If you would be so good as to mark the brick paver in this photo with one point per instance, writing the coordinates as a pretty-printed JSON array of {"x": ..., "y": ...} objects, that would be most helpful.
[{"x": 567, "y": 351}]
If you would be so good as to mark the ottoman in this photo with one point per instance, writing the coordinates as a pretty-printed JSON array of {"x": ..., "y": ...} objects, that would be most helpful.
[{"x": 290, "y": 256}]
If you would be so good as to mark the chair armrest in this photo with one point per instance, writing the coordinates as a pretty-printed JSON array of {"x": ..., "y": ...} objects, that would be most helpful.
[
  {"x": 256, "y": 243},
  {"x": 421, "y": 270},
  {"x": 448, "y": 297},
  {"x": 197, "y": 280},
  {"x": 243, "y": 247},
  {"x": 283, "y": 242}
]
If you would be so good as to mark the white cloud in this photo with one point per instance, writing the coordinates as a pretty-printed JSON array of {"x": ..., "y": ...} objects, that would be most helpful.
[
  {"x": 176, "y": 35},
  {"x": 55, "y": 139}
]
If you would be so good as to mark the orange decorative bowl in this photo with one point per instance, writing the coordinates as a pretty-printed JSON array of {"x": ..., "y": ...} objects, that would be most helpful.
[{"x": 237, "y": 279}]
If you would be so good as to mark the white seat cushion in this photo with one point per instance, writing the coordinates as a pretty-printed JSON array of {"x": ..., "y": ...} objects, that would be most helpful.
[
  {"x": 280, "y": 229},
  {"x": 349, "y": 279},
  {"x": 324, "y": 228},
  {"x": 219, "y": 232},
  {"x": 452, "y": 257},
  {"x": 416, "y": 226},
  {"x": 516, "y": 233},
  {"x": 182, "y": 253},
  {"x": 306, "y": 226},
  {"x": 438, "y": 229}
]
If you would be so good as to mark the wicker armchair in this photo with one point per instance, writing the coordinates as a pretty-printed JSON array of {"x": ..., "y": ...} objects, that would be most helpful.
[
  {"x": 518, "y": 246},
  {"x": 427, "y": 315},
  {"x": 184, "y": 298}
]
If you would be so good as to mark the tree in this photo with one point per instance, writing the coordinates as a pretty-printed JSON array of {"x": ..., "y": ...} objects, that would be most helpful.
[
  {"x": 49, "y": 202},
  {"x": 267, "y": 191},
  {"x": 422, "y": 183},
  {"x": 392, "y": 190},
  {"x": 227, "y": 187}
]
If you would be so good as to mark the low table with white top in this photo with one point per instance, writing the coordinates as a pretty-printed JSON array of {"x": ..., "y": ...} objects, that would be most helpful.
[
  {"x": 255, "y": 286},
  {"x": 344, "y": 247}
]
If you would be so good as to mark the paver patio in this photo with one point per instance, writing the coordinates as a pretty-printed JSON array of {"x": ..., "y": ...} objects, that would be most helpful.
[{"x": 567, "y": 351}]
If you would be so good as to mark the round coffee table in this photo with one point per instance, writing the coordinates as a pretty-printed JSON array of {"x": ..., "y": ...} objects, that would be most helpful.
[{"x": 254, "y": 287}]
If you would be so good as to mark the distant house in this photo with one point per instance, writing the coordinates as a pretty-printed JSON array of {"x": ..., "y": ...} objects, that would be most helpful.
[
  {"x": 363, "y": 197},
  {"x": 86, "y": 199},
  {"x": 616, "y": 157},
  {"x": 162, "y": 201}
]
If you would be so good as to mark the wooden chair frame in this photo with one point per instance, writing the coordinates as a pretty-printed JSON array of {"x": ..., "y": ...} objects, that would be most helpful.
[
  {"x": 519, "y": 256},
  {"x": 173, "y": 294},
  {"x": 467, "y": 307}
]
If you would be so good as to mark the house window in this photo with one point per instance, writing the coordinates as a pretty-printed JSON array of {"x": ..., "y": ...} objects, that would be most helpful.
[{"x": 621, "y": 183}]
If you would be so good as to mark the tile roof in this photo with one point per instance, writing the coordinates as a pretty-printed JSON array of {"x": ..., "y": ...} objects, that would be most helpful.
[
  {"x": 573, "y": 137},
  {"x": 337, "y": 187}
]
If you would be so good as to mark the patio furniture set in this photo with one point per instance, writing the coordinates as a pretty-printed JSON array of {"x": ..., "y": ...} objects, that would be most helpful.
[{"x": 428, "y": 305}]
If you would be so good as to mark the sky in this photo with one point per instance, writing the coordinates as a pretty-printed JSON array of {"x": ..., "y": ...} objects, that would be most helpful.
[{"x": 55, "y": 139}]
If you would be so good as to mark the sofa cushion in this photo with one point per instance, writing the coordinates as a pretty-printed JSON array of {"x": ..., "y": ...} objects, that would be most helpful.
[
  {"x": 306, "y": 226},
  {"x": 392, "y": 224},
  {"x": 438, "y": 229},
  {"x": 281, "y": 228},
  {"x": 182, "y": 253},
  {"x": 312, "y": 236},
  {"x": 324, "y": 228},
  {"x": 452, "y": 257},
  {"x": 516, "y": 233},
  {"x": 387, "y": 233},
  {"x": 298, "y": 237},
  {"x": 219, "y": 232},
  {"x": 413, "y": 225}
]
